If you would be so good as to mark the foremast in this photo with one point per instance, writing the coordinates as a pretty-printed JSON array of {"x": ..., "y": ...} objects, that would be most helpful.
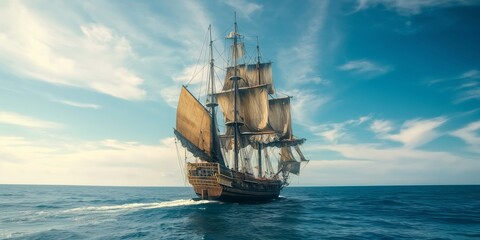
[
  {"x": 212, "y": 104},
  {"x": 196, "y": 127}
]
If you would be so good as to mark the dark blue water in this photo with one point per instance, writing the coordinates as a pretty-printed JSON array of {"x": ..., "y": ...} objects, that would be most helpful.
[{"x": 74, "y": 212}]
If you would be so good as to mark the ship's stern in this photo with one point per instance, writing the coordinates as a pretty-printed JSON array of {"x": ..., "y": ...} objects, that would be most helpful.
[{"x": 204, "y": 177}]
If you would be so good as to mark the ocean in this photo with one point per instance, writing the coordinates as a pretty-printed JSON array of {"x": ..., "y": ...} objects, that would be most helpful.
[{"x": 389, "y": 212}]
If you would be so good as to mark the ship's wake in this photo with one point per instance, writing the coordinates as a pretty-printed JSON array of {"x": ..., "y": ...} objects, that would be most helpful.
[{"x": 139, "y": 206}]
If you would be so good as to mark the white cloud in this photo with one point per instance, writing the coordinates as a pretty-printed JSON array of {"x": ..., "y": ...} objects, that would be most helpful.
[
  {"x": 171, "y": 95},
  {"x": 99, "y": 50},
  {"x": 410, "y": 7},
  {"x": 374, "y": 164},
  {"x": 417, "y": 132},
  {"x": 381, "y": 126},
  {"x": 193, "y": 74},
  {"x": 106, "y": 162},
  {"x": 375, "y": 152},
  {"x": 98, "y": 33},
  {"x": 26, "y": 121},
  {"x": 33, "y": 45},
  {"x": 364, "y": 66},
  {"x": 77, "y": 104},
  {"x": 334, "y": 132},
  {"x": 331, "y": 132},
  {"x": 245, "y": 7},
  {"x": 470, "y": 135}
]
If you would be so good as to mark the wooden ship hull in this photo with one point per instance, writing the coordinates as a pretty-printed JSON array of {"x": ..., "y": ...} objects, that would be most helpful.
[{"x": 212, "y": 181}]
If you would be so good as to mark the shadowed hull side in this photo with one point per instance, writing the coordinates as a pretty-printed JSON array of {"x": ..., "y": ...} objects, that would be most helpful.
[{"x": 211, "y": 181}]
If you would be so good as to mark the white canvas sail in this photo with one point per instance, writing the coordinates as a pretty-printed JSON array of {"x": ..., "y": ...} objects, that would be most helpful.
[
  {"x": 288, "y": 162},
  {"x": 251, "y": 75},
  {"x": 279, "y": 116},
  {"x": 252, "y": 107}
]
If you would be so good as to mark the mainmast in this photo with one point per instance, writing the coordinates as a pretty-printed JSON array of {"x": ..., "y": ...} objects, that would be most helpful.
[
  {"x": 235, "y": 79},
  {"x": 260, "y": 171}
]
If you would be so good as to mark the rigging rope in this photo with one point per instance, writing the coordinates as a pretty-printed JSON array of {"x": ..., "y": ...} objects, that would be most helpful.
[
  {"x": 198, "y": 60},
  {"x": 182, "y": 170}
]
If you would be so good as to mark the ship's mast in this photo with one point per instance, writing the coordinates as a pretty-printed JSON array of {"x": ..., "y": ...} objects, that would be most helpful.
[
  {"x": 212, "y": 103},
  {"x": 260, "y": 171},
  {"x": 235, "y": 79}
]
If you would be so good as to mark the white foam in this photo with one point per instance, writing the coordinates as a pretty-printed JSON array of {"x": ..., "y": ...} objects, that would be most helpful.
[{"x": 137, "y": 206}]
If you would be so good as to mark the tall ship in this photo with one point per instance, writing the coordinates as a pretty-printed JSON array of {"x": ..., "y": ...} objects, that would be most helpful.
[{"x": 254, "y": 154}]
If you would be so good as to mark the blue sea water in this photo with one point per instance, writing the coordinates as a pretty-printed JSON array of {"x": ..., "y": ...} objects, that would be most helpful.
[{"x": 393, "y": 212}]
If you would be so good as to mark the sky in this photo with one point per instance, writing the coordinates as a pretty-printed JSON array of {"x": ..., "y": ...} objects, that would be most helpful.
[{"x": 386, "y": 92}]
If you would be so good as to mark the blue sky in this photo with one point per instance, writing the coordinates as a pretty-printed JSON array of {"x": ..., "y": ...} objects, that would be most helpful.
[{"x": 386, "y": 92}]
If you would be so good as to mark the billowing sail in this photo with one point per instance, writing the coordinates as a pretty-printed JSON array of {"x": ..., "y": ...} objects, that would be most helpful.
[
  {"x": 302, "y": 157},
  {"x": 240, "y": 50},
  {"x": 252, "y": 107},
  {"x": 252, "y": 75},
  {"x": 288, "y": 162},
  {"x": 286, "y": 154},
  {"x": 193, "y": 126},
  {"x": 279, "y": 117}
]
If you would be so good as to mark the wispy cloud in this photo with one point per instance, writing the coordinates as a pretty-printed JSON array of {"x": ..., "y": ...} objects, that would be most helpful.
[
  {"x": 334, "y": 132},
  {"x": 469, "y": 75},
  {"x": 469, "y": 95},
  {"x": 170, "y": 95},
  {"x": 416, "y": 132},
  {"x": 245, "y": 7},
  {"x": 470, "y": 88},
  {"x": 99, "y": 50},
  {"x": 44, "y": 49},
  {"x": 305, "y": 104},
  {"x": 377, "y": 152},
  {"x": 79, "y": 105},
  {"x": 469, "y": 134},
  {"x": 299, "y": 61},
  {"x": 365, "y": 67},
  {"x": 381, "y": 127},
  {"x": 26, "y": 121},
  {"x": 363, "y": 163},
  {"x": 409, "y": 7},
  {"x": 413, "y": 133},
  {"x": 466, "y": 85}
]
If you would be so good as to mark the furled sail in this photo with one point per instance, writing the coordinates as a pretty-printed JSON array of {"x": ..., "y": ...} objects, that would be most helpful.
[
  {"x": 279, "y": 117},
  {"x": 252, "y": 107},
  {"x": 193, "y": 126},
  {"x": 252, "y": 75}
]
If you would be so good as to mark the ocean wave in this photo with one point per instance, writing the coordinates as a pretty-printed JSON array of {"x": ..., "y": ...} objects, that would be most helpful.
[{"x": 138, "y": 206}]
